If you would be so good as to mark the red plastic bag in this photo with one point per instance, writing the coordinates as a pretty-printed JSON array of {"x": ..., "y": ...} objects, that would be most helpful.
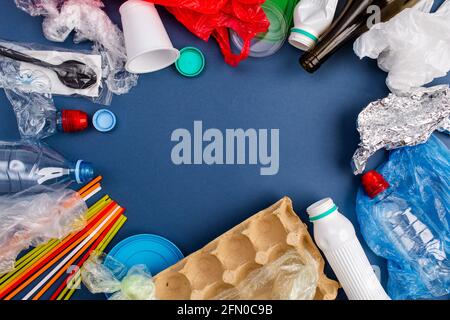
[{"x": 206, "y": 18}]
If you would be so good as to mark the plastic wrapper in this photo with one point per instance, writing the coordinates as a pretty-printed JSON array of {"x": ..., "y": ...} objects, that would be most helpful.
[
  {"x": 214, "y": 18},
  {"x": 28, "y": 219},
  {"x": 89, "y": 22},
  {"x": 413, "y": 46},
  {"x": 29, "y": 94},
  {"x": 17, "y": 72},
  {"x": 396, "y": 122},
  {"x": 290, "y": 277},
  {"x": 409, "y": 223},
  {"x": 104, "y": 274}
]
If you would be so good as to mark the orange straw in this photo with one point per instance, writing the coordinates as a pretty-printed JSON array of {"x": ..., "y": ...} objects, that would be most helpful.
[{"x": 89, "y": 185}]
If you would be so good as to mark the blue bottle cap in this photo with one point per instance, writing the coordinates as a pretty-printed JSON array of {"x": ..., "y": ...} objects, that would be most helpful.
[
  {"x": 104, "y": 120},
  {"x": 84, "y": 171}
]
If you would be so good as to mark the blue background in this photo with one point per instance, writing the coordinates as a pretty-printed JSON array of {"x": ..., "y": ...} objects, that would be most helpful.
[{"x": 191, "y": 205}]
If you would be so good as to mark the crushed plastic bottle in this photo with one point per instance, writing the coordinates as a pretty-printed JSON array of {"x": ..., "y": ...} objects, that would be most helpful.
[
  {"x": 406, "y": 221},
  {"x": 27, "y": 164}
]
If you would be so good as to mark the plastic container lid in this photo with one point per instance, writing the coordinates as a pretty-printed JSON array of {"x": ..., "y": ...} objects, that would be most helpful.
[
  {"x": 266, "y": 44},
  {"x": 104, "y": 120},
  {"x": 191, "y": 62},
  {"x": 156, "y": 252},
  {"x": 73, "y": 120}
]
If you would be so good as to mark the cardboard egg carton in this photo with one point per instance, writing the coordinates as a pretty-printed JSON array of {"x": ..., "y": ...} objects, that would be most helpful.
[{"x": 226, "y": 261}]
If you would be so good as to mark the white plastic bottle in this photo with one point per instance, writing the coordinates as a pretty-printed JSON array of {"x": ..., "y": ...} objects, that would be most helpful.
[
  {"x": 311, "y": 19},
  {"x": 336, "y": 237}
]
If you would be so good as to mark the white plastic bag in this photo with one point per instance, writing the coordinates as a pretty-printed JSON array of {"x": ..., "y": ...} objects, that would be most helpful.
[
  {"x": 33, "y": 219},
  {"x": 414, "y": 46}
]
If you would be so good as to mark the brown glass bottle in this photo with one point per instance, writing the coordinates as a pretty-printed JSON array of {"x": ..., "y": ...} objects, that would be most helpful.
[{"x": 356, "y": 18}]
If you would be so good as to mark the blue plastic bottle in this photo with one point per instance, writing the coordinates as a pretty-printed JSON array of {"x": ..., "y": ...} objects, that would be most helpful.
[
  {"x": 398, "y": 229},
  {"x": 27, "y": 164}
]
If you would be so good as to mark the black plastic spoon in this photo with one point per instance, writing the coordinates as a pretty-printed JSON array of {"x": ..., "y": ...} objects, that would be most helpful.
[{"x": 73, "y": 74}]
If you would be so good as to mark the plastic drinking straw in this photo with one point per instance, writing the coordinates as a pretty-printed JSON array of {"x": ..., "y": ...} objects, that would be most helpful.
[
  {"x": 64, "y": 287},
  {"x": 89, "y": 185},
  {"x": 111, "y": 236},
  {"x": 102, "y": 249},
  {"x": 60, "y": 250},
  {"x": 29, "y": 259},
  {"x": 48, "y": 252},
  {"x": 87, "y": 241},
  {"x": 25, "y": 260},
  {"x": 91, "y": 192},
  {"x": 95, "y": 247},
  {"x": 89, "y": 244}
]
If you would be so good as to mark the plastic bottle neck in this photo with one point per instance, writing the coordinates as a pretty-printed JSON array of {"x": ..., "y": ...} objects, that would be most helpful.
[
  {"x": 71, "y": 120},
  {"x": 81, "y": 171},
  {"x": 322, "y": 210}
]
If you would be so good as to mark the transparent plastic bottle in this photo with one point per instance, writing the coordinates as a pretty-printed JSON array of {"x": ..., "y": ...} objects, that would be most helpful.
[
  {"x": 336, "y": 237},
  {"x": 400, "y": 232},
  {"x": 27, "y": 164},
  {"x": 41, "y": 124}
]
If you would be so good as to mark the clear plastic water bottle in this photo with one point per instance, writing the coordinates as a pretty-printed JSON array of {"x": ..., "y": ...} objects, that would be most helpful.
[
  {"x": 336, "y": 237},
  {"x": 27, "y": 164},
  {"x": 401, "y": 232},
  {"x": 38, "y": 124}
]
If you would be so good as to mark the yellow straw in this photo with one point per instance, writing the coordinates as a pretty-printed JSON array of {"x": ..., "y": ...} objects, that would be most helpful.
[
  {"x": 26, "y": 258},
  {"x": 111, "y": 234},
  {"x": 23, "y": 264}
]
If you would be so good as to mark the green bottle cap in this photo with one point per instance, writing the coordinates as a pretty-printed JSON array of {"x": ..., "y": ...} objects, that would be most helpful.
[{"x": 191, "y": 62}]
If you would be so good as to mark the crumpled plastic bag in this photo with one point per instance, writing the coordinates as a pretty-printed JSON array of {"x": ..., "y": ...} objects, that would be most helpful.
[
  {"x": 290, "y": 277},
  {"x": 28, "y": 219},
  {"x": 89, "y": 22},
  {"x": 29, "y": 94},
  {"x": 214, "y": 18},
  {"x": 104, "y": 274},
  {"x": 420, "y": 177},
  {"x": 413, "y": 46},
  {"x": 395, "y": 122}
]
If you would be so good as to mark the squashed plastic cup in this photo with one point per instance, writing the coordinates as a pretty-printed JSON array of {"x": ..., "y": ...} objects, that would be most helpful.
[{"x": 147, "y": 43}]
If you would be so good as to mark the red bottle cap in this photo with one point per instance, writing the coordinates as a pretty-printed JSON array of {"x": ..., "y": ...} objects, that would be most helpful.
[
  {"x": 374, "y": 183},
  {"x": 74, "y": 120}
]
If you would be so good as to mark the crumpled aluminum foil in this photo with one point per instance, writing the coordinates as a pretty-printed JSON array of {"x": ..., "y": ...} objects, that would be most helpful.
[{"x": 396, "y": 122}]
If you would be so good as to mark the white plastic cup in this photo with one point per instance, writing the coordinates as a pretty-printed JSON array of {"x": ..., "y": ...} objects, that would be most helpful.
[{"x": 147, "y": 43}]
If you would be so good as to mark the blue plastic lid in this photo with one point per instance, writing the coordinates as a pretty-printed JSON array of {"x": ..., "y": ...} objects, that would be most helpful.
[
  {"x": 83, "y": 171},
  {"x": 104, "y": 120},
  {"x": 155, "y": 252}
]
